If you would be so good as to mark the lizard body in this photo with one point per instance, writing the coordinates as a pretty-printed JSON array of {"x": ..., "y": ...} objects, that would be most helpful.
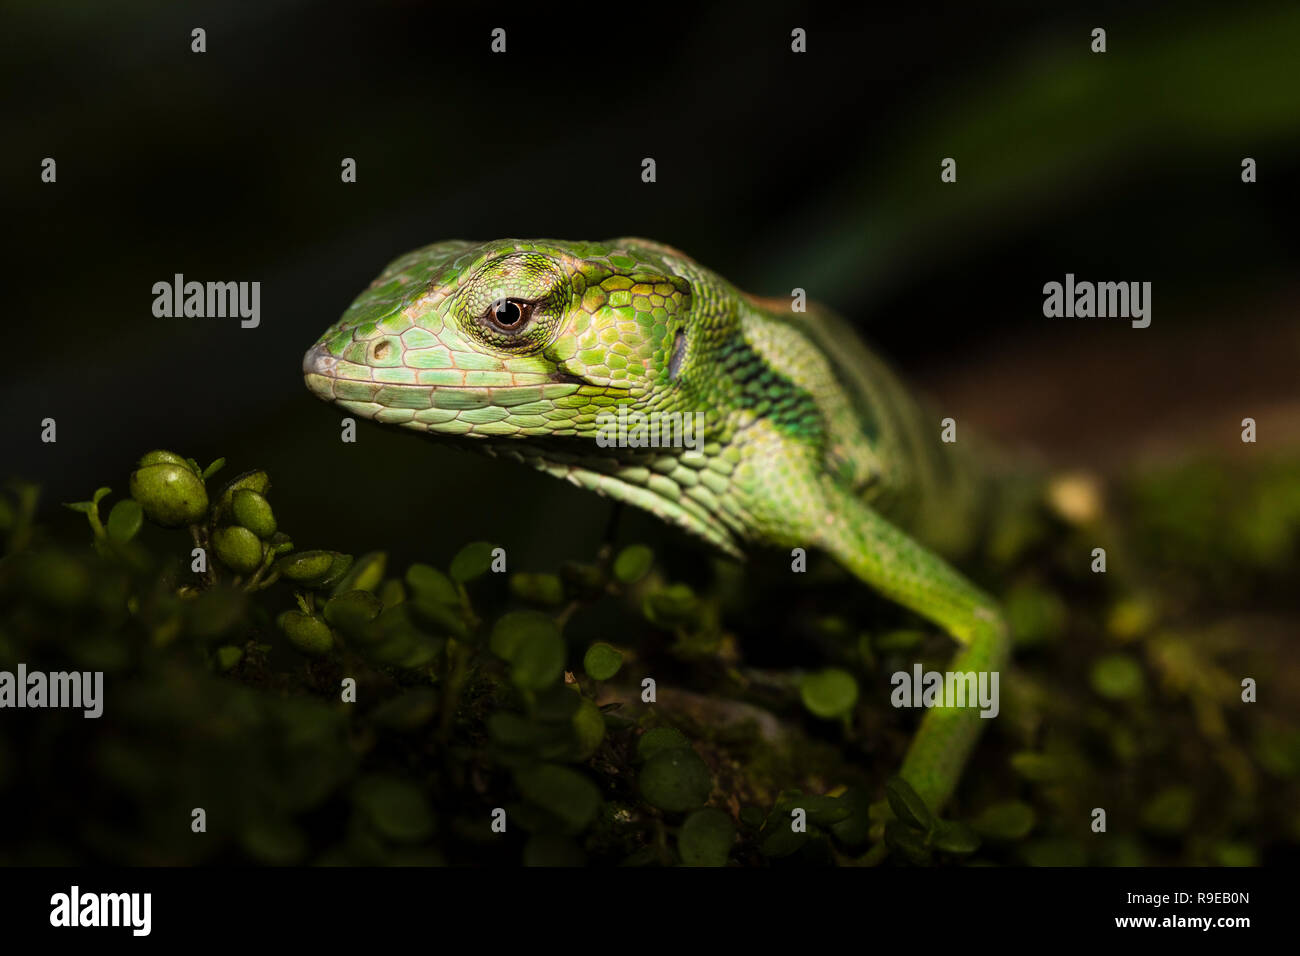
[{"x": 527, "y": 349}]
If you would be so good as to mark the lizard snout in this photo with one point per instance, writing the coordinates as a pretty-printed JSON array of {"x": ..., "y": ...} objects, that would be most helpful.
[
  {"x": 318, "y": 371},
  {"x": 318, "y": 361}
]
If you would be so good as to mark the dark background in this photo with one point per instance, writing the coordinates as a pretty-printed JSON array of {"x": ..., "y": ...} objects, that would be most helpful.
[{"x": 778, "y": 170}]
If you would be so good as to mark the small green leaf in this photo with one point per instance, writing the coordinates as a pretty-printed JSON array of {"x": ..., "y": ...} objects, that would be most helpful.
[
  {"x": 1117, "y": 676},
  {"x": 545, "y": 589},
  {"x": 1132, "y": 616},
  {"x": 213, "y": 468},
  {"x": 391, "y": 592},
  {"x": 1171, "y": 810},
  {"x": 907, "y": 842},
  {"x": 825, "y": 811},
  {"x": 908, "y": 805},
  {"x": 228, "y": 656},
  {"x": 274, "y": 842},
  {"x": 675, "y": 780},
  {"x": 1227, "y": 853},
  {"x": 565, "y": 793},
  {"x": 396, "y": 808},
  {"x": 394, "y": 639},
  {"x": 752, "y": 817},
  {"x": 633, "y": 563},
  {"x": 124, "y": 520},
  {"x": 855, "y": 829},
  {"x": 780, "y": 839},
  {"x": 1039, "y": 767},
  {"x": 429, "y": 582},
  {"x": 99, "y": 494},
  {"x": 589, "y": 726},
  {"x": 1035, "y": 615},
  {"x": 1009, "y": 820},
  {"x": 658, "y": 740},
  {"x": 672, "y": 605},
  {"x": 585, "y": 580},
  {"x": 513, "y": 731},
  {"x": 601, "y": 662},
  {"x": 557, "y": 704},
  {"x": 471, "y": 561},
  {"x": 517, "y": 628},
  {"x": 441, "y": 618},
  {"x": 338, "y": 569},
  {"x": 706, "y": 838},
  {"x": 351, "y": 611},
  {"x": 538, "y": 660},
  {"x": 366, "y": 573},
  {"x": 953, "y": 837},
  {"x": 56, "y": 579},
  {"x": 829, "y": 693},
  {"x": 867, "y": 651}
]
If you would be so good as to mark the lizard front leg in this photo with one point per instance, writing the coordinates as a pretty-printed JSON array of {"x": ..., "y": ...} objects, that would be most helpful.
[
  {"x": 904, "y": 571},
  {"x": 797, "y": 504}
]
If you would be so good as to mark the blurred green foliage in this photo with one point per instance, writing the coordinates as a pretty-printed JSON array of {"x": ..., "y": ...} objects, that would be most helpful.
[{"x": 326, "y": 708}]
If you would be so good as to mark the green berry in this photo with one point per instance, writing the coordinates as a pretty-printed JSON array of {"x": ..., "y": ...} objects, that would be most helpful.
[
  {"x": 253, "y": 512},
  {"x": 306, "y": 566},
  {"x": 255, "y": 480},
  {"x": 308, "y": 633},
  {"x": 237, "y": 548},
  {"x": 170, "y": 494},
  {"x": 351, "y": 611},
  {"x": 160, "y": 457}
]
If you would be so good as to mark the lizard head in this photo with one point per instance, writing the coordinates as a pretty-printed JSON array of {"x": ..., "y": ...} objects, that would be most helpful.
[
  {"x": 544, "y": 351},
  {"x": 508, "y": 339}
]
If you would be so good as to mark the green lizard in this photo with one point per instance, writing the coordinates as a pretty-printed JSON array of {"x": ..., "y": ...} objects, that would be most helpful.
[{"x": 518, "y": 347}]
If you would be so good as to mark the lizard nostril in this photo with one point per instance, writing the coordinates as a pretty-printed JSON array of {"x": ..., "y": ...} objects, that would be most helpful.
[{"x": 382, "y": 350}]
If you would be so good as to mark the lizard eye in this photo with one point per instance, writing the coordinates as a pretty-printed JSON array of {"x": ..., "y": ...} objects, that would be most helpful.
[{"x": 509, "y": 315}]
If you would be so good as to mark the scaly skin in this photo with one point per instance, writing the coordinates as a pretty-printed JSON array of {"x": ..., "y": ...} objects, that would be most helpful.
[{"x": 517, "y": 347}]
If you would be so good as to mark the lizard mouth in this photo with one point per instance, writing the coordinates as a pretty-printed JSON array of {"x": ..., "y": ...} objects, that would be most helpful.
[
  {"x": 436, "y": 404},
  {"x": 321, "y": 371}
]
